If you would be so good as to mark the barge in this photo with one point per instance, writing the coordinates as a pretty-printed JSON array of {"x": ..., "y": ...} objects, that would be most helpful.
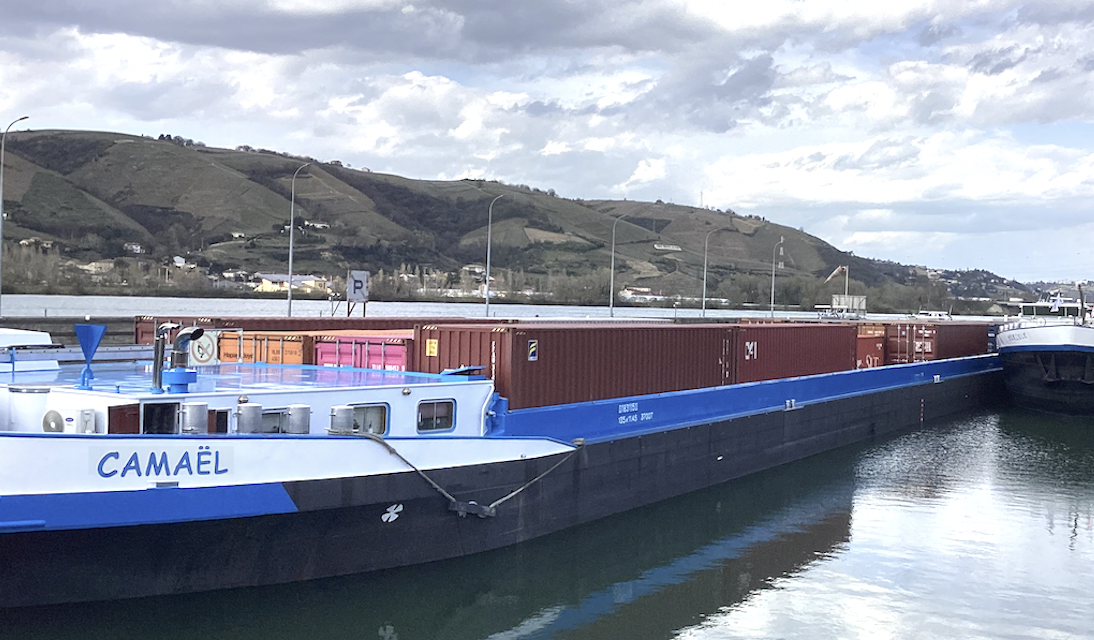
[
  {"x": 1047, "y": 354},
  {"x": 129, "y": 479}
]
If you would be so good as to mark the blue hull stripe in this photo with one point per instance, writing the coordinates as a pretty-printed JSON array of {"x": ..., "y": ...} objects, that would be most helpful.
[
  {"x": 1046, "y": 348},
  {"x": 604, "y": 420},
  {"x": 148, "y": 506}
]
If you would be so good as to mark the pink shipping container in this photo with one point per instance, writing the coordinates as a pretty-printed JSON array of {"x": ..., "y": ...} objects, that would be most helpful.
[
  {"x": 773, "y": 351},
  {"x": 383, "y": 350}
]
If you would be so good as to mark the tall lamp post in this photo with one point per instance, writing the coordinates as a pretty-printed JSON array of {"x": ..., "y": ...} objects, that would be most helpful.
[
  {"x": 3, "y": 141},
  {"x": 706, "y": 245},
  {"x": 776, "y": 248},
  {"x": 489, "y": 230},
  {"x": 292, "y": 228},
  {"x": 611, "y": 281}
]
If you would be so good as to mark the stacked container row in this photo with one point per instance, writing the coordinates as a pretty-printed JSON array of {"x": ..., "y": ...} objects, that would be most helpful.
[
  {"x": 144, "y": 327},
  {"x": 541, "y": 365},
  {"x": 377, "y": 350}
]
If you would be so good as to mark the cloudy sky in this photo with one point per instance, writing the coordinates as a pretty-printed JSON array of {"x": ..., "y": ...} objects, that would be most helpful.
[{"x": 949, "y": 133}]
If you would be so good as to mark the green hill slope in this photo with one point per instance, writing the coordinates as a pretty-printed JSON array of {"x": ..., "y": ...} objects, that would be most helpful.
[{"x": 94, "y": 192}]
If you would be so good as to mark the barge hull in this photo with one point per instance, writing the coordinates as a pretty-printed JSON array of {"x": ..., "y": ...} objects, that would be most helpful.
[
  {"x": 354, "y": 525},
  {"x": 1052, "y": 381}
]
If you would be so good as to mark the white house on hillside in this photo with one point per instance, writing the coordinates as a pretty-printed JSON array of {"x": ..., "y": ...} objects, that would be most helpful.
[{"x": 275, "y": 282}]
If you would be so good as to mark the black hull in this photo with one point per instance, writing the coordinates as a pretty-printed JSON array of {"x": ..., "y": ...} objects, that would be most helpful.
[
  {"x": 339, "y": 529},
  {"x": 1060, "y": 382}
]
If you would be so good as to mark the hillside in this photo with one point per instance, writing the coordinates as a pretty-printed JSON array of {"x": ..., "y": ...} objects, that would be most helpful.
[{"x": 93, "y": 193}]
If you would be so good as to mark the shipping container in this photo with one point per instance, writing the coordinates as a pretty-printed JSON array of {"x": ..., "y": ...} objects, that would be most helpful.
[
  {"x": 870, "y": 352},
  {"x": 773, "y": 351},
  {"x": 544, "y": 364},
  {"x": 389, "y": 350},
  {"x": 273, "y": 347},
  {"x": 960, "y": 339},
  {"x": 920, "y": 342},
  {"x": 909, "y": 342}
]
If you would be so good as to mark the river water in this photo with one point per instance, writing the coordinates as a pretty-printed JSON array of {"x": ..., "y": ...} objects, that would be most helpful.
[{"x": 977, "y": 527}]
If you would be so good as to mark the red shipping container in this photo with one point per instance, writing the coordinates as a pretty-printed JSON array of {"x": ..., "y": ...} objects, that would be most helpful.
[
  {"x": 961, "y": 339},
  {"x": 539, "y": 365},
  {"x": 919, "y": 342},
  {"x": 871, "y": 351},
  {"x": 773, "y": 351},
  {"x": 909, "y": 342}
]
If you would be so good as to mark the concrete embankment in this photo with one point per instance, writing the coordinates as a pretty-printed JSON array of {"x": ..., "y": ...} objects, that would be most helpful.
[{"x": 118, "y": 330}]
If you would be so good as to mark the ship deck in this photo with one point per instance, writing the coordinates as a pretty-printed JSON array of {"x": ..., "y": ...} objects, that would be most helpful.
[{"x": 135, "y": 378}]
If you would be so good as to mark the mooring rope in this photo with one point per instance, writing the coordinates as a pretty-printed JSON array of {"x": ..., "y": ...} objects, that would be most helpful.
[
  {"x": 580, "y": 443},
  {"x": 463, "y": 508}
]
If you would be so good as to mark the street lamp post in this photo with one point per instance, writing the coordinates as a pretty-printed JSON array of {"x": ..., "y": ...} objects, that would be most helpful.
[
  {"x": 611, "y": 281},
  {"x": 292, "y": 228},
  {"x": 489, "y": 230},
  {"x": 706, "y": 245},
  {"x": 3, "y": 141},
  {"x": 777, "y": 244}
]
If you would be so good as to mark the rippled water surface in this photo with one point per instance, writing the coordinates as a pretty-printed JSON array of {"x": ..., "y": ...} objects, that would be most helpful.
[{"x": 980, "y": 527}]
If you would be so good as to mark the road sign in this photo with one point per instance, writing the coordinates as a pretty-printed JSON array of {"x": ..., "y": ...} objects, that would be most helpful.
[{"x": 357, "y": 286}]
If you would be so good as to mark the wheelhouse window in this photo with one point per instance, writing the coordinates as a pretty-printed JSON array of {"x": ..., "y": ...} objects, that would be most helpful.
[
  {"x": 161, "y": 418},
  {"x": 370, "y": 418},
  {"x": 436, "y": 415}
]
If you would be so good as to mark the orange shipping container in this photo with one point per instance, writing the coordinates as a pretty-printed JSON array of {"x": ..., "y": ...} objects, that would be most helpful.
[{"x": 260, "y": 346}]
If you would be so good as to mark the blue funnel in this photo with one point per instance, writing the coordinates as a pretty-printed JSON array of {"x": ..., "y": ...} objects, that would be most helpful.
[{"x": 89, "y": 335}]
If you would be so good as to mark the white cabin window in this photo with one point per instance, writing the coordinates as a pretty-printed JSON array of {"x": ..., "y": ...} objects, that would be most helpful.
[
  {"x": 436, "y": 415},
  {"x": 370, "y": 418}
]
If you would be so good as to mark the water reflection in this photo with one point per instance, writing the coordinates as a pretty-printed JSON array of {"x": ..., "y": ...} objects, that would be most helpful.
[{"x": 978, "y": 528}]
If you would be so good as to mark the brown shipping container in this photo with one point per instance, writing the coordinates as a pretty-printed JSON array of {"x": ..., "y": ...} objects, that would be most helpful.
[
  {"x": 773, "y": 351},
  {"x": 539, "y": 365},
  {"x": 918, "y": 342},
  {"x": 909, "y": 342},
  {"x": 961, "y": 339},
  {"x": 871, "y": 351}
]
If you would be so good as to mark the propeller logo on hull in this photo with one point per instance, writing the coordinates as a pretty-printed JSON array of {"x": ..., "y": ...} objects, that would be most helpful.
[{"x": 392, "y": 513}]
